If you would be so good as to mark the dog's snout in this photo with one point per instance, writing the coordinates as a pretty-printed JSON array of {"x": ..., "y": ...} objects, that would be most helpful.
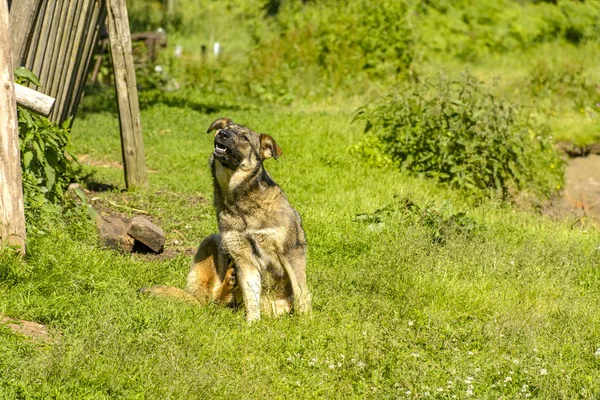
[{"x": 225, "y": 134}]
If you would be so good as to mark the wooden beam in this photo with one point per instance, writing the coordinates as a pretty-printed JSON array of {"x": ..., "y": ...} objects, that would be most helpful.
[
  {"x": 91, "y": 40},
  {"x": 12, "y": 216},
  {"x": 33, "y": 100},
  {"x": 127, "y": 97},
  {"x": 23, "y": 14}
]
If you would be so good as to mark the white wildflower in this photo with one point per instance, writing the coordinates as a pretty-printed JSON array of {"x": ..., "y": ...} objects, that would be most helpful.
[{"x": 543, "y": 371}]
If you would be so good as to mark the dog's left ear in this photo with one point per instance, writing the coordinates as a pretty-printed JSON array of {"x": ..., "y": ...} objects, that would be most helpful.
[
  {"x": 219, "y": 124},
  {"x": 268, "y": 147}
]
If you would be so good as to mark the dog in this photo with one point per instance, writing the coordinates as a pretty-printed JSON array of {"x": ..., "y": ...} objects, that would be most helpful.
[{"x": 258, "y": 258}]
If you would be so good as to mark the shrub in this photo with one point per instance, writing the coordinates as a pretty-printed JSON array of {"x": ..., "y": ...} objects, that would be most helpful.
[
  {"x": 457, "y": 132},
  {"x": 339, "y": 43},
  {"x": 470, "y": 30},
  {"x": 46, "y": 161}
]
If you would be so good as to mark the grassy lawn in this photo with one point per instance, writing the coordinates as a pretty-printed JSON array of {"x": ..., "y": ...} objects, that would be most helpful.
[
  {"x": 419, "y": 291},
  {"x": 507, "y": 308}
]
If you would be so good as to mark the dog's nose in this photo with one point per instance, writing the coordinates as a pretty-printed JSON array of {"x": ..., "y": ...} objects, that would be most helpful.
[{"x": 225, "y": 134}]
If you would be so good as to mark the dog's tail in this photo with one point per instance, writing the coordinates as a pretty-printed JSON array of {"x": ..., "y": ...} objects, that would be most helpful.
[{"x": 169, "y": 292}]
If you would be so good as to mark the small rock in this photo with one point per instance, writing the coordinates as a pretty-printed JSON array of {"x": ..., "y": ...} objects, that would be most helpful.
[
  {"x": 113, "y": 231},
  {"x": 147, "y": 233}
]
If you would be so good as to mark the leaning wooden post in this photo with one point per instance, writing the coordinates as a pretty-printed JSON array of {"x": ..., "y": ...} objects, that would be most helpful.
[
  {"x": 12, "y": 216},
  {"x": 23, "y": 14},
  {"x": 129, "y": 110}
]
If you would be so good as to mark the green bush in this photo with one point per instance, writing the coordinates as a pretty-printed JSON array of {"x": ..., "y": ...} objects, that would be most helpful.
[
  {"x": 470, "y": 30},
  {"x": 458, "y": 133},
  {"x": 337, "y": 43},
  {"x": 46, "y": 160}
]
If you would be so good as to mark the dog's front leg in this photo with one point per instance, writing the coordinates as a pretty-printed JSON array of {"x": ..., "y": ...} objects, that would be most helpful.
[
  {"x": 239, "y": 248},
  {"x": 250, "y": 284}
]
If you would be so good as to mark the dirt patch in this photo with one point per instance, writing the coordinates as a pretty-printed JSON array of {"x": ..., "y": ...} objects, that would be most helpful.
[
  {"x": 31, "y": 329},
  {"x": 582, "y": 184}
]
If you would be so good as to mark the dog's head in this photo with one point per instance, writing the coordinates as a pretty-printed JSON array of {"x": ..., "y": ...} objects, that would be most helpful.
[{"x": 236, "y": 145}]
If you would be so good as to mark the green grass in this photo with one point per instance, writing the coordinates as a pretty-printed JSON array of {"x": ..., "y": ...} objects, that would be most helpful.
[
  {"x": 406, "y": 304},
  {"x": 508, "y": 310}
]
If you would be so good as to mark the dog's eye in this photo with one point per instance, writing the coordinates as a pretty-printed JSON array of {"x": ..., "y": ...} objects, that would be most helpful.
[{"x": 246, "y": 138}]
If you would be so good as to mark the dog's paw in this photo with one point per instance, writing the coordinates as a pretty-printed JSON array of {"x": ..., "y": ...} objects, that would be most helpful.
[{"x": 230, "y": 278}]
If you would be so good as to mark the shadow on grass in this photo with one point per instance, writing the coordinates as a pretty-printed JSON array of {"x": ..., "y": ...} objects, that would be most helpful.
[{"x": 103, "y": 99}]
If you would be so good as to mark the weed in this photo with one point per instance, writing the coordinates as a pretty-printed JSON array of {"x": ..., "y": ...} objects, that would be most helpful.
[
  {"x": 440, "y": 222},
  {"x": 458, "y": 133},
  {"x": 46, "y": 158}
]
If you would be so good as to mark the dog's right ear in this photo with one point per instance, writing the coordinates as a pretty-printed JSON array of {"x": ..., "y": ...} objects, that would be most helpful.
[{"x": 219, "y": 124}]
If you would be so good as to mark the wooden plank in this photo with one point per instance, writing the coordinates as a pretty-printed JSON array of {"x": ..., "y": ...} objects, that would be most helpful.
[
  {"x": 53, "y": 9},
  {"x": 60, "y": 49},
  {"x": 12, "y": 216},
  {"x": 23, "y": 15},
  {"x": 73, "y": 55},
  {"x": 35, "y": 39},
  {"x": 127, "y": 97},
  {"x": 91, "y": 40},
  {"x": 33, "y": 100}
]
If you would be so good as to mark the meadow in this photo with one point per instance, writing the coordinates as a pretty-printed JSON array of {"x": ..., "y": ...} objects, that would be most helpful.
[{"x": 420, "y": 289}]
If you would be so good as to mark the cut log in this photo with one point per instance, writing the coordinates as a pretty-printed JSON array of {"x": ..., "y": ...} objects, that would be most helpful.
[
  {"x": 147, "y": 233},
  {"x": 12, "y": 217},
  {"x": 34, "y": 101}
]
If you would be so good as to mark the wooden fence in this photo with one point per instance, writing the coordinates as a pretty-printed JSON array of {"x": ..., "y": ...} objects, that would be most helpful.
[{"x": 57, "y": 39}]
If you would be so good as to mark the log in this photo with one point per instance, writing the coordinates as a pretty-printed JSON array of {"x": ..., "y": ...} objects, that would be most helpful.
[
  {"x": 34, "y": 101},
  {"x": 127, "y": 97},
  {"x": 12, "y": 216},
  {"x": 23, "y": 15}
]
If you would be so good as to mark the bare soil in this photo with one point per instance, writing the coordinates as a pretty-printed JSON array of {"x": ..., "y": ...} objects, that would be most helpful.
[
  {"x": 31, "y": 329},
  {"x": 582, "y": 184}
]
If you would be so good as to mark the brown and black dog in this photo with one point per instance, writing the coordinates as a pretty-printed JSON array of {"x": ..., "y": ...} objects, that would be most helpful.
[{"x": 259, "y": 255}]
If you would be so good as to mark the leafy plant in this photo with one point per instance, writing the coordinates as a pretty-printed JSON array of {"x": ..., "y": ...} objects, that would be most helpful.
[
  {"x": 46, "y": 159},
  {"x": 460, "y": 134},
  {"x": 441, "y": 222}
]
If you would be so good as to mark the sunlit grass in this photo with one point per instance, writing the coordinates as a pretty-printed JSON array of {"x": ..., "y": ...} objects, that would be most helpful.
[{"x": 508, "y": 310}]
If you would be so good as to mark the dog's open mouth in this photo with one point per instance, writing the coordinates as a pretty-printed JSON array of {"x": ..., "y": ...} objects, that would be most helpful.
[
  {"x": 225, "y": 155},
  {"x": 220, "y": 150}
]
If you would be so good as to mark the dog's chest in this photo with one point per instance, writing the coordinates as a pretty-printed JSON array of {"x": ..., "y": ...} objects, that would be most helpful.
[{"x": 262, "y": 246}]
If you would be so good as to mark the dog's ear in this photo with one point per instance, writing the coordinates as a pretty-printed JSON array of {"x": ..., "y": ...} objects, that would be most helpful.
[
  {"x": 268, "y": 147},
  {"x": 219, "y": 124}
]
